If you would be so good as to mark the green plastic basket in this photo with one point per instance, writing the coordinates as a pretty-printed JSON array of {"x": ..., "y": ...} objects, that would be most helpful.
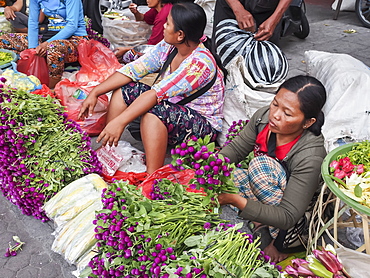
[
  {"x": 333, "y": 186},
  {"x": 14, "y": 56}
]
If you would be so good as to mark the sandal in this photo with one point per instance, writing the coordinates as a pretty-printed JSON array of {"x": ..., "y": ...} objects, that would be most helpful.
[{"x": 262, "y": 232}]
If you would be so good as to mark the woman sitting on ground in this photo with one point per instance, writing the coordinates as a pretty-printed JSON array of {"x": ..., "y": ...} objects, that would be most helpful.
[
  {"x": 277, "y": 188},
  {"x": 163, "y": 121},
  {"x": 66, "y": 28},
  {"x": 156, "y": 16}
]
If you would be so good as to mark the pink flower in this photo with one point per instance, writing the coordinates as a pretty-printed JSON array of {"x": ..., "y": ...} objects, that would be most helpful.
[
  {"x": 348, "y": 167},
  {"x": 334, "y": 164},
  {"x": 340, "y": 174},
  {"x": 360, "y": 169}
]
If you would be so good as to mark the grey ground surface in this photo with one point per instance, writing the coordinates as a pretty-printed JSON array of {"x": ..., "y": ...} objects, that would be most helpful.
[{"x": 36, "y": 260}]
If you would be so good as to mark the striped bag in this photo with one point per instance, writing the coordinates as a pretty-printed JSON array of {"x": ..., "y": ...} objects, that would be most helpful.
[{"x": 265, "y": 62}]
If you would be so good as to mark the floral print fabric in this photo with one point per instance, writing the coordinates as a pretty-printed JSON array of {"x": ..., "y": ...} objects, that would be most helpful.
[
  {"x": 181, "y": 122},
  {"x": 195, "y": 72}
]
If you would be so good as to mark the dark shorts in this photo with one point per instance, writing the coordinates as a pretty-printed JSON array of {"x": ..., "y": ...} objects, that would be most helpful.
[{"x": 181, "y": 121}]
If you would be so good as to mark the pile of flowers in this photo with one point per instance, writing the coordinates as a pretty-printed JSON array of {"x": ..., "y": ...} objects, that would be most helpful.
[
  {"x": 321, "y": 263},
  {"x": 94, "y": 35},
  {"x": 172, "y": 235},
  {"x": 351, "y": 172},
  {"x": 41, "y": 151}
]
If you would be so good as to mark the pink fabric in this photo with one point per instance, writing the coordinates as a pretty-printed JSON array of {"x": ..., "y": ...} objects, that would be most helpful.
[{"x": 152, "y": 17}]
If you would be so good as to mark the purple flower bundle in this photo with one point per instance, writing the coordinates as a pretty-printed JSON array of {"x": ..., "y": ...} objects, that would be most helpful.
[
  {"x": 40, "y": 150},
  {"x": 213, "y": 172},
  {"x": 234, "y": 130},
  {"x": 139, "y": 237}
]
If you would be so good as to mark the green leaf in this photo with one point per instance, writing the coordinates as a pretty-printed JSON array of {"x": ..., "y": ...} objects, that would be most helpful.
[
  {"x": 193, "y": 241},
  {"x": 358, "y": 191}
]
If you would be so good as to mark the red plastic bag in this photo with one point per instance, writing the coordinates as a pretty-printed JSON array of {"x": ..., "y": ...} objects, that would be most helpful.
[
  {"x": 97, "y": 61},
  {"x": 32, "y": 64},
  {"x": 44, "y": 91},
  {"x": 131, "y": 177},
  {"x": 166, "y": 172},
  {"x": 72, "y": 95}
]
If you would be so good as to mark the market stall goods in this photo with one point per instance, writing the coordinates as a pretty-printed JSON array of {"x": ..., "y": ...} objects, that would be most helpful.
[{"x": 41, "y": 151}]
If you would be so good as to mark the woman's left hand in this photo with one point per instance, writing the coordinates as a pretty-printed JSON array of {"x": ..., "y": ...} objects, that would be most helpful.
[
  {"x": 111, "y": 133},
  {"x": 232, "y": 199},
  {"x": 41, "y": 50}
]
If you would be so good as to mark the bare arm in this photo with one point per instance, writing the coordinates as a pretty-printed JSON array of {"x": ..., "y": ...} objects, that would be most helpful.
[
  {"x": 9, "y": 10},
  {"x": 138, "y": 15},
  {"x": 267, "y": 28},
  {"x": 243, "y": 17}
]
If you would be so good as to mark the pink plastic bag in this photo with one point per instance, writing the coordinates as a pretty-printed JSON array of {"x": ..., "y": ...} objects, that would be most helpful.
[
  {"x": 72, "y": 95},
  {"x": 32, "y": 64},
  {"x": 97, "y": 61}
]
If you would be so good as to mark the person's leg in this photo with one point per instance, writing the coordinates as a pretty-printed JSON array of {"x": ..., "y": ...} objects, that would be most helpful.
[
  {"x": 16, "y": 42},
  {"x": 155, "y": 137},
  {"x": 59, "y": 53},
  {"x": 20, "y": 23},
  {"x": 116, "y": 105}
]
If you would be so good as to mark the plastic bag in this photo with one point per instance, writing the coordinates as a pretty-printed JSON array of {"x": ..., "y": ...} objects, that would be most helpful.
[
  {"x": 130, "y": 177},
  {"x": 44, "y": 91},
  {"x": 72, "y": 95},
  {"x": 5, "y": 25},
  {"x": 21, "y": 81},
  {"x": 231, "y": 42},
  {"x": 97, "y": 61},
  {"x": 166, "y": 172},
  {"x": 126, "y": 32},
  {"x": 123, "y": 157},
  {"x": 32, "y": 64},
  {"x": 74, "y": 198}
]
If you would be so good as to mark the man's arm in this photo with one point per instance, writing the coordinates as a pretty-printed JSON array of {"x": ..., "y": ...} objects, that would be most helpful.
[
  {"x": 9, "y": 10},
  {"x": 243, "y": 17},
  {"x": 267, "y": 28}
]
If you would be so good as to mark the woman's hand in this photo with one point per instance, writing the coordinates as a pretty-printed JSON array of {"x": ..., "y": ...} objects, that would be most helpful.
[
  {"x": 133, "y": 8},
  {"x": 41, "y": 50},
  {"x": 88, "y": 106},
  {"x": 232, "y": 199},
  {"x": 111, "y": 133},
  {"x": 119, "y": 51},
  {"x": 245, "y": 20}
]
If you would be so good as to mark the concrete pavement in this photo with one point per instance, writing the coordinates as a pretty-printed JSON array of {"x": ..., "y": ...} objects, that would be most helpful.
[{"x": 36, "y": 260}]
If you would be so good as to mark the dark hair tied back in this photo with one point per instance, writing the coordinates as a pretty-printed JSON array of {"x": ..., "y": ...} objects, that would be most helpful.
[{"x": 312, "y": 97}]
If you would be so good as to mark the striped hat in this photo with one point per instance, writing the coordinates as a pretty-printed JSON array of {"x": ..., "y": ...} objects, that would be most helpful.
[{"x": 265, "y": 62}]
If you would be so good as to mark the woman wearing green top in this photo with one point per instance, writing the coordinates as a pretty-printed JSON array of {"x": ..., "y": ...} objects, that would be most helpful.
[{"x": 280, "y": 182}]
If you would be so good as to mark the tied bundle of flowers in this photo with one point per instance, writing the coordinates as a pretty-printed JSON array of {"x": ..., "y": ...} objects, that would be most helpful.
[
  {"x": 350, "y": 172},
  {"x": 93, "y": 35},
  {"x": 41, "y": 151},
  {"x": 138, "y": 237},
  {"x": 234, "y": 130},
  {"x": 224, "y": 251},
  {"x": 213, "y": 172}
]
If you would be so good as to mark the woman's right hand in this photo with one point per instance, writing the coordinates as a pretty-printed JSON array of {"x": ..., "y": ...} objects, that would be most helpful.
[
  {"x": 232, "y": 199},
  {"x": 133, "y": 8},
  {"x": 88, "y": 106},
  {"x": 9, "y": 13}
]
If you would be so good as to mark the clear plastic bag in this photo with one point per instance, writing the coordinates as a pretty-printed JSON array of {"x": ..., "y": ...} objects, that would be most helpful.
[
  {"x": 74, "y": 198},
  {"x": 124, "y": 157}
]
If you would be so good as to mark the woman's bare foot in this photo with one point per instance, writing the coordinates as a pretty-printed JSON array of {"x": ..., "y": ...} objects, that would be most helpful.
[{"x": 274, "y": 254}]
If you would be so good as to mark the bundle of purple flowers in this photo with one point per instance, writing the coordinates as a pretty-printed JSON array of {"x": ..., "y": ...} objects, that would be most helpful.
[{"x": 41, "y": 151}]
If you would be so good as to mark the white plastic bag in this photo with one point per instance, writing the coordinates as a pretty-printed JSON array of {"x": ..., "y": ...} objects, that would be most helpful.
[
  {"x": 209, "y": 7},
  {"x": 5, "y": 25},
  {"x": 347, "y": 5},
  {"x": 241, "y": 101},
  {"x": 125, "y": 32},
  {"x": 355, "y": 263},
  {"x": 347, "y": 82},
  {"x": 124, "y": 157}
]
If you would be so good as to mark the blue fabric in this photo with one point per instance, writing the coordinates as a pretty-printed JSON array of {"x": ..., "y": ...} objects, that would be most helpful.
[{"x": 68, "y": 12}]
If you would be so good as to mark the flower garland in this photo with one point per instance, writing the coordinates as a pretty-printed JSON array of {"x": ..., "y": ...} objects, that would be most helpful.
[{"x": 41, "y": 151}]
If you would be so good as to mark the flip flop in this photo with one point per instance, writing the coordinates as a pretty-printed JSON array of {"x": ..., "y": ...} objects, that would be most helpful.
[{"x": 262, "y": 232}]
